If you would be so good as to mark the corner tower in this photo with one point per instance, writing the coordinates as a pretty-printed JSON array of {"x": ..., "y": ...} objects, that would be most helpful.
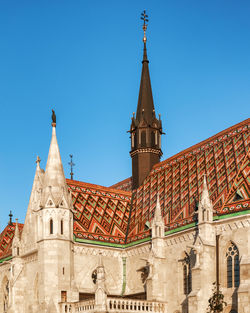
[{"x": 146, "y": 129}]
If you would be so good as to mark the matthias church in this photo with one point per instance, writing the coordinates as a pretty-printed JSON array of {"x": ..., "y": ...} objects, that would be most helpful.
[{"x": 156, "y": 242}]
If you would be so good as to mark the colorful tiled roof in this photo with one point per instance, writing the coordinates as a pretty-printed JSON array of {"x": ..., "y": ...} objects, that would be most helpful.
[
  {"x": 99, "y": 210},
  {"x": 223, "y": 158},
  {"x": 6, "y": 238},
  {"x": 125, "y": 184},
  {"x": 105, "y": 213}
]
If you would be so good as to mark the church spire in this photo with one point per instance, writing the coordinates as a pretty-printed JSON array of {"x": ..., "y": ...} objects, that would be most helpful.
[
  {"x": 54, "y": 180},
  {"x": 145, "y": 107},
  {"x": 146, "y": 129}
]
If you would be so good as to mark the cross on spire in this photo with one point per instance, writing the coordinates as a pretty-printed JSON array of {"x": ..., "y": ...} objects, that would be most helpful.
[
  {"x": 144, "y": 17},
  {"x": 71, "y": 166}
]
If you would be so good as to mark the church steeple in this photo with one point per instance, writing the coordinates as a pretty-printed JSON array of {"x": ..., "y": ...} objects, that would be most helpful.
[{"x": 146, "y": 129}]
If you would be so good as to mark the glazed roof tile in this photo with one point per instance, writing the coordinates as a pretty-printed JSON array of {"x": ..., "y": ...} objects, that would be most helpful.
[
  {"x": 99, "y": 210},
  {"x": 6, "y": 238},
  {"x": 178, "y": 180}
]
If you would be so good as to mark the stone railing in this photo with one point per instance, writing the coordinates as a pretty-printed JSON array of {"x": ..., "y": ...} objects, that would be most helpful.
[
  {"x": 75, "y": 307},
  {"x": 114, "y": 305},
  {"x": 85, "y": 306},
  {"x": 129, "y": 305}
]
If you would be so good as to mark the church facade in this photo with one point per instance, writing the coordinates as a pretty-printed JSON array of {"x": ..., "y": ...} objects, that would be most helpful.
[{"x": 156, "y": 242}]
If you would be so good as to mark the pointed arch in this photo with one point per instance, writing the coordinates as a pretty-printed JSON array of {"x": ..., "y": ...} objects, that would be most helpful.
[
  {"x": 187, "y": 274},
  {"x": 233, "y": 266}
]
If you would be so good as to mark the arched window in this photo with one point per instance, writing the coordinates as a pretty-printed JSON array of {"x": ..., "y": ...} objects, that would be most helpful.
[
  {"x": 233, "y": 266},
  {"x": 51, "y": 226},
  {"x": 187, "y": 275},
  {"x": 61, "y": 227},
  {"x": 143, "y": 138}
]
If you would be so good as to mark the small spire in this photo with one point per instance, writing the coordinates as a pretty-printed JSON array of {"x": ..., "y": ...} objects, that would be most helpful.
[
  {"x": 10, "y": 220},
  {"x": 205, "y": 194},
  {"x": 17, "y": 235},
  {"x": 205, "y": 208},
  {"x": 158, "y": 216}
]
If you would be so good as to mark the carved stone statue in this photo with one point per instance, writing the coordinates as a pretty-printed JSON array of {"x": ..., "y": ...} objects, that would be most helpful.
[{"x": 53, "y": 116}]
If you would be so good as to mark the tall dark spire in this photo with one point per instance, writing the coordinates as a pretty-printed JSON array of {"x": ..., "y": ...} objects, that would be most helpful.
[{"x": 145, "y": 128}]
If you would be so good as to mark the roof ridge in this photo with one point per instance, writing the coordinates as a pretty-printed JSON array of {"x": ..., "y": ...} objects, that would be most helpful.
[
  {"x": 201, "y": 143},
  {"x": 98, "y": 187}
]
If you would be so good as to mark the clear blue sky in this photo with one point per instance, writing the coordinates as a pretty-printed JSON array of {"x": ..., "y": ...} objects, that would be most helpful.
[{"x": 83, "y": 58}]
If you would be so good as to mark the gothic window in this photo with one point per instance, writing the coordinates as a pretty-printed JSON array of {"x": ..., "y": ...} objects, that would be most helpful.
[
  {"x": 51, "y": 226},
  {"x": 143, "y": 138},
  {"x": 187, "y": 275},
  {"x": 233, "y": 266},
  {"x": 61, "y": 227}
]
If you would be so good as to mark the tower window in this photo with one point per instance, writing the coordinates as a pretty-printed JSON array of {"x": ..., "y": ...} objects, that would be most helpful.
[
  {"x": 233, "y": 266},
  {"x": 143, "y": 138},
  {"x": 187, "y": 276},
  {"x": 51, "y": 226},
  {"x": 61, "y": 227}
]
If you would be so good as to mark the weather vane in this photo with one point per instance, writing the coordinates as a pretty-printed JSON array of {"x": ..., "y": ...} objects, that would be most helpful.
[
  {"x": 144, "y": 17},
  {"x": 71, "y": 166}
]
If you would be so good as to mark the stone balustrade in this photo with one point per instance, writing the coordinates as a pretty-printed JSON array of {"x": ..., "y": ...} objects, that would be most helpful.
[
  {"x": 115, "y": 305},
  {"x": 129, "y": 305}
]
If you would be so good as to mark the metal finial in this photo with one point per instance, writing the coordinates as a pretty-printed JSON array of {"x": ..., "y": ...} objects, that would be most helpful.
[
  {"x": 53, "y": 118},
  {"x": 144, "y": 17},
  {"x": 10, "y": 215},
  {"x": 71, "y": 166}
]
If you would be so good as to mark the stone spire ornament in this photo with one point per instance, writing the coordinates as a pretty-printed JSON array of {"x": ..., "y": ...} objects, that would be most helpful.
[
  {"x": 205, "y": 209},
  {"x": 16, "y": 241},
  {"x": 157, "y": 224}
]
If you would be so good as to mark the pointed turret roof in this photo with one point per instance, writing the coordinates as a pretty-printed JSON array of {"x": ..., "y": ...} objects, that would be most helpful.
[
  {"x": 158, "y": 216},
  {"x": 205, "y": 199},
  {"x": 17, "y": 233},
  {"x": 54, "y": 180},
  {"x": 54, "y": 174},
  {"x": 145, "y": 107}
]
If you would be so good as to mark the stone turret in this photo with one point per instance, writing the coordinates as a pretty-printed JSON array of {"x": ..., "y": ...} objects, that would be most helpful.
[
  {"x": 55, "y": 231},
  {"x": 205, "y": 215}
]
